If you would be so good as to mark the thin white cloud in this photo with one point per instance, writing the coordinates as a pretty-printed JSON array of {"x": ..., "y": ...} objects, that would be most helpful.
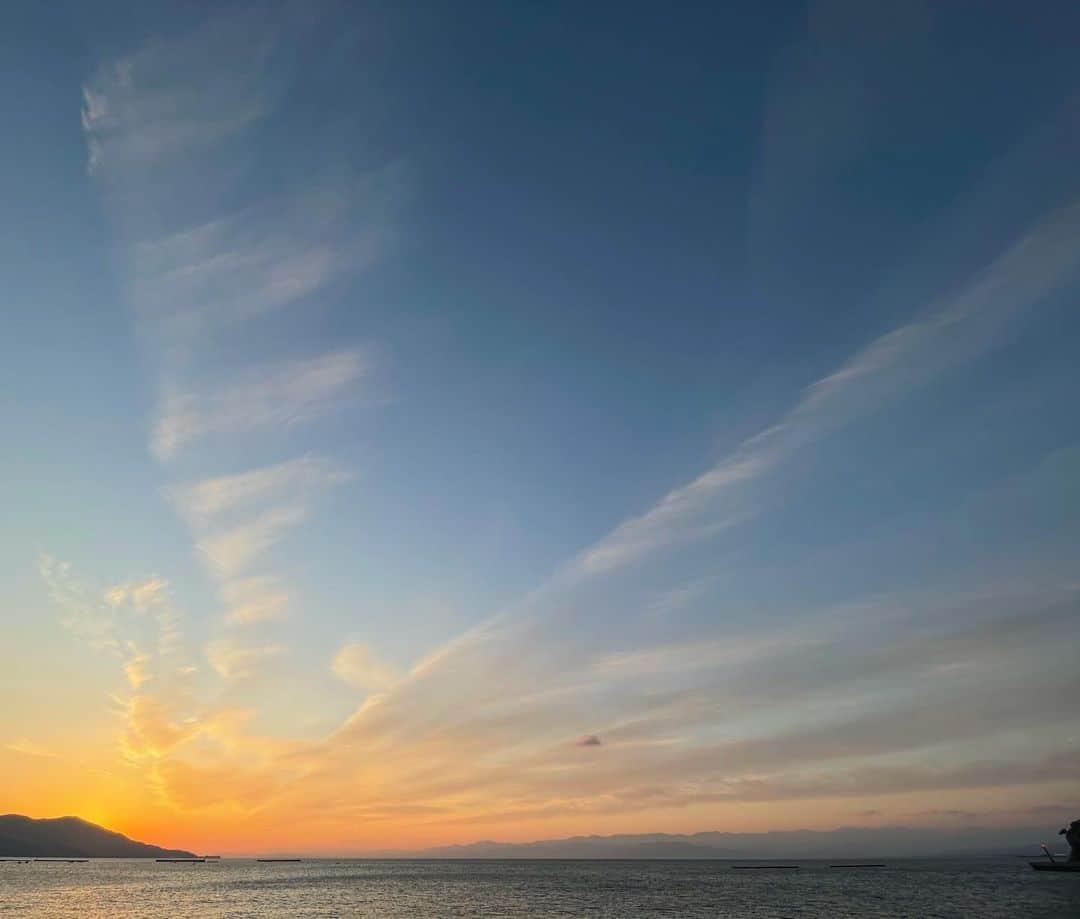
[
  {"x": 236, "y": 660},
  {"x": 483, "y": 724},
  {"x": 201, "y": 502},
  {"x": 178, "y": 97},
  {"x": 209, "y": 265},
  {"x": 29, "y": 748},
  {"x": 207, "y": 252},
  {"x": 137, "y": 621},
  {"x": 230, "y": 552},
  {"x": 165, "y": 127},
  {"x": 142, "y": 595},
  {"x": 230, "y": 539},
  {"x": 963, "y": 326},
  {"x": 264, "y": 258},
  {"x": 358, "y": 665},
  {"x": 85, "y": 613},
  {"x": 137, "y": 668},
  {"x": 280, "y": 396},
  {"x": 150, "y": 597},
  {"x": 254, "y": 599}
]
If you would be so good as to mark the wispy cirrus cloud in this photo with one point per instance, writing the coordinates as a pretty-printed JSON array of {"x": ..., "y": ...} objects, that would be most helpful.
[
  {"x": 357, "y": 664},
  {"x": 822, "y": 709},
  {"x": 203, "y": 256},
  {"x": 84, "y": 611},
  {"x": 482, "y": 730},
  {"x": 263, "y": 258},
  {"x": 258, "y": 598},
  {"x": 204, "y": 275},
  {"x": 138, "y": 622},
  {"x": 150, "y": 597},
  {"x": 137, "y": 666},
  {"x": 202, "y": 502},
  {"x": 210, "y": 253},
  {"x": 152, "y": 728},
  {"x": 28, "y": 747},
  {"x": 277, "y": 396},
  {"x": 142, "y": 595},
  {"x": 122, "y": 618},
  {"x": 237, "y": 517},
  {"x": 956, "y": 330},
  {"x": 137, "y": 112},
  {"x": 866, "y": 781},
  {"x": 236, "y": 659},
  {"x": 230, "y": 552}
]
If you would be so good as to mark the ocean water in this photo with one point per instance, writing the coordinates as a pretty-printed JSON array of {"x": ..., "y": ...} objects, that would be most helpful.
[{"x": 985, "y": 888}]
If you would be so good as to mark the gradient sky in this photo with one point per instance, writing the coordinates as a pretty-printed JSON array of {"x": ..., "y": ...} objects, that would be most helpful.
[{"x": 430, "y": 422}]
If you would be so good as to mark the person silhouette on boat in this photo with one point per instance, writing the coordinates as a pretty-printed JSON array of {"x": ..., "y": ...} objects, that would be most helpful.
[{"x": 1072, "y": 837}]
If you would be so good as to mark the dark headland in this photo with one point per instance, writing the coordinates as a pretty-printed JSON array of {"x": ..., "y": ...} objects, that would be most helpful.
[{"x": 71, "y": 837}]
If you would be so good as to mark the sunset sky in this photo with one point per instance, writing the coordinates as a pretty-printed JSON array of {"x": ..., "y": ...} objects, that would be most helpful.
[{"x": 431, "y": 422}]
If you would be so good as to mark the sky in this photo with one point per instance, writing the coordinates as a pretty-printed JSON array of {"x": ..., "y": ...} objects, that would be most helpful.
[{"x": 426, "y": 423}]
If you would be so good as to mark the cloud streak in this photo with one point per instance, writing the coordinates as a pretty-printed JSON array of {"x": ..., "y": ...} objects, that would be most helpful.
[
  {"x": 270, "y": 256},
  {"x": 236, "y": 660},
  {"x": 964, "y": 325},
  {"x": 201, "y": 503},
  {"x": 254, "y": 599},
  {"x": 231, "y": 552},
  {"x": 136, "y": 114},
  {"x": 217, "y": 263},
  {"x": 606, "y": 691},
  {"x": 279, "y": 396},
  {"x": 358, "y": 665}
]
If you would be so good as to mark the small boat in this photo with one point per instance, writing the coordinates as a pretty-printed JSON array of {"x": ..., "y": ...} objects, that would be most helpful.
[
  {"x": 1052, "y": 864},
  {"x": 183, "y": 861},
  {"x": 278, "y": 859}
]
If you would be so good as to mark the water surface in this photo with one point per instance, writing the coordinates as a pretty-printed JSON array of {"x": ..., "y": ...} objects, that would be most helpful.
[{"x": 986, "y": 888}]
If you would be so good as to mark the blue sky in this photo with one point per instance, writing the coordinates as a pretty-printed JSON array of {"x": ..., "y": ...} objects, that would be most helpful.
[{"x": 461, "y": 382}]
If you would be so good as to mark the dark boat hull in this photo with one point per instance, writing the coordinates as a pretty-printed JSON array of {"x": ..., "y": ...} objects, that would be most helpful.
[{"x": 1056, "y": 866}]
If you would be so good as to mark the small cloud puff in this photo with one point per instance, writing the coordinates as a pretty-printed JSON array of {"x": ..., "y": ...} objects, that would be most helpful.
[
  {"x": 234, "y": 660},
  {"x": 142, "y": 596},
  {"x": 358, "y": 665}
]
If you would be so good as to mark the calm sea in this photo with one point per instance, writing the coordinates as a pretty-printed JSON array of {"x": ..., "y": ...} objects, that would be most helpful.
[{"x": 985, "y": 888}]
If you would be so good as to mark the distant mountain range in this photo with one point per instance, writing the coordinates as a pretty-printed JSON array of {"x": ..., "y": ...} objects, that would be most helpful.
[
  {"x": 846, "y": 842},
  {"x": 71, "y": 837}
]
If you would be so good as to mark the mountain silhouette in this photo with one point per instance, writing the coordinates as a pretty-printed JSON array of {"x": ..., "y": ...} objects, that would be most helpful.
[
  {"x": 71, "y": 837},
  {"x": 846, "y": 842}
]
